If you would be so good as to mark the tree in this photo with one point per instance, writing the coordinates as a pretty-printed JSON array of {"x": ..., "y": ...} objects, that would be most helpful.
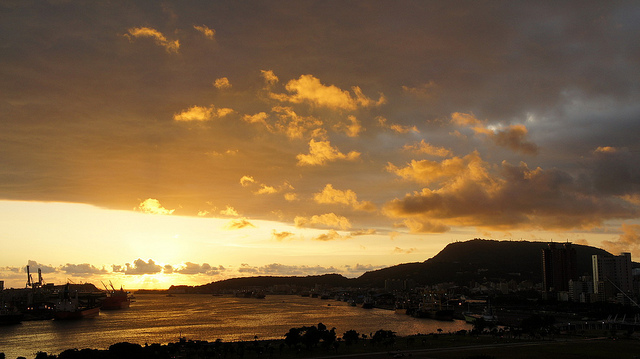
[
  {"x": 292, "y": 338},
  {"x": 350, "y": 337}
]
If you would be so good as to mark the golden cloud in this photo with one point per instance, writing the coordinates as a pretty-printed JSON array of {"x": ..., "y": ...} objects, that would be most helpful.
[
  {"x": 321, "y": 152},
  {"x": 330, "y": 195},
  {"x": 280, "y": 236},
  {"x": 428, "y": 149},
  {"x": 229, "y": 211},
  {"x": 309, "y": 89},
  {"x": 605, "y": 149},
  {"x": 246, "y": 181},
  {"x": 222, "y": 83},
  {"x": 269, "y": 77},
  {"x": 207, "y": 32},
  {"x": 363, "y": 232},
  {"x": 332, "y": 235},
  {"x": 351, "y": 128},
  {"x": 199, "y": 113},
  {"x": 464, "y": 119},
  {"x": 295, "y": 126},
  {"x": 157, "y": 36},
  {"x": 327, "y": 219},
  {"x": 153, "y": 206},
  {"x": 628, "y": 241},
  {"x": 260, "y": 117},
  {"x": 426, "y": 171},
  {"x": 396, "y": 127},
  {"x": 239, "y": 223}
]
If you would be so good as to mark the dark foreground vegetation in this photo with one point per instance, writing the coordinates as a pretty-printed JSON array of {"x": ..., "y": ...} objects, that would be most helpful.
[{"x": 318, "y": 341}]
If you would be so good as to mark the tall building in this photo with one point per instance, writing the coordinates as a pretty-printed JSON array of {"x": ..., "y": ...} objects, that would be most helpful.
[
  {"x": 559, "y": 266},
  {"x": 612, "y": 275}
]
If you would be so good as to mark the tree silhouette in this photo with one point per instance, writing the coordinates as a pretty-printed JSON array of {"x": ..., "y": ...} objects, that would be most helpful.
[
  {"x": 350, "y": 337},
  {"x": 293, "y": 337}
]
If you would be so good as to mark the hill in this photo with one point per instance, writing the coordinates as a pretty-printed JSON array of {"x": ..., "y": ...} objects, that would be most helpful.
[
  {"x": 330, "y": 280},
  {"x": 460, "y": 262},
  {"x": 479, "y": 259}
]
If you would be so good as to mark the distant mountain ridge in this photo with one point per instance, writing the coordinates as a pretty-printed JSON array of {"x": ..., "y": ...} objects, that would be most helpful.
[{"x": 459, "y": 262}]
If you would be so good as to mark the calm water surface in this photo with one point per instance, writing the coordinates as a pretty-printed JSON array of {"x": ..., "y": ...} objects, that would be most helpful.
[{"x": 160, "y": 319}]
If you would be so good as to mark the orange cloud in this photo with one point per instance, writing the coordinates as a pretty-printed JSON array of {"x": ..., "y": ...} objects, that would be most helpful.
[
  {"x": 428, "y": 149},
  {"x": 327, "y": 219},
  {"x": 269, "y": 77},
  {"x": 247, "y": 181},
  {"x": 351, "y": 128},
  {"x": 332, "y": 235},
  {"x": 321, "y": 152},
  {"x": 157, "y": 36},
  {"x": 605, "y": 149},
  {"x": 239, "y": 224},
  {"x": 153, "y": 206},
  {"x": 628, "y": 241},
  {"x": 426, "y": 171},
  {"x": 294, "y": 125},
  {"x": 280, "y": 236},
  {"x": 222, "y": 83},
  {"x": 199, "y": 113},
  {"x": 330, "y": 195},
  {"x": 309, "y": 89},
  {"x": 464, "y": 119},
  {"x": 229, "y": 211},
  {"x": 207, "y": 32}
]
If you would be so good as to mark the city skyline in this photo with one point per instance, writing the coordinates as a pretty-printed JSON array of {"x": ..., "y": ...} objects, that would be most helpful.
[{"x": 155, "y": 144}]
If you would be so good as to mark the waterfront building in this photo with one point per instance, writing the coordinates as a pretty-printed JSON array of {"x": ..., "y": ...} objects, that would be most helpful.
[
  {"x": 559, "y": 266},
  {"x": 612, "y": 275}
]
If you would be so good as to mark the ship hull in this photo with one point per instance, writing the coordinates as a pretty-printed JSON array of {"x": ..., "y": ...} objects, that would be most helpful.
[
  {"x": 77, "y": 314},
  {"x": 115, "y": 303},
  {"x": 8, "y": 319}
]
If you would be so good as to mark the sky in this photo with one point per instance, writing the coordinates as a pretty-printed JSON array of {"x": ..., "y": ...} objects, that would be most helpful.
[{"x": 171, "y": 142}]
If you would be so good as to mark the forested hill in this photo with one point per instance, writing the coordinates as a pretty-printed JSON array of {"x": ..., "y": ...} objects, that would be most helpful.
[
  {"x": 329, "y": 280},
  {"x": 478, "y": 259},
  {"x": 459, "y": 262}
]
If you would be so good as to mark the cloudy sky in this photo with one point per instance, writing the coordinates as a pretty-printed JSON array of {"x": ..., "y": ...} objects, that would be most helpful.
[{"x": 151, "y": 143}]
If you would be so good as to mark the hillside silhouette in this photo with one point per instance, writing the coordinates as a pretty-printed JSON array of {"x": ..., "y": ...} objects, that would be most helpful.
[
  {"x": 459, "y": 262},
  {"x": 478, "y": 260}
]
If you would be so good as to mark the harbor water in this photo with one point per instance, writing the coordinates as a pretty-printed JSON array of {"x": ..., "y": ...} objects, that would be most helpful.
[{"x": 156, "y": 318}]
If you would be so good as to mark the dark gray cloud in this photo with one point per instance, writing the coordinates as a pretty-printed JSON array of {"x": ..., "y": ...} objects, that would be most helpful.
[
  {"x": 138, "y": 267},
  {"x": 279, "y": 269},
  {"x": 34, "y": 266},
  {"x": 82, "y": 269}
]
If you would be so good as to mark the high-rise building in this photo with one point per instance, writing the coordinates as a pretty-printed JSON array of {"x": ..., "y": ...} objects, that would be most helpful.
[
  {"x": 612, "y": 275},
  {"x": 559, "y": 266}
]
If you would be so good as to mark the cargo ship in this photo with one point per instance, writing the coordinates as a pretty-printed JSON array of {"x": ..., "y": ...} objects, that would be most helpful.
[
  {"x": 69, "y": 307},
  {"x": 116, "y": 299}
]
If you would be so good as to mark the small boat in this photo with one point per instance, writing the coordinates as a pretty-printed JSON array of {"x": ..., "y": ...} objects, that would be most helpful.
[{"x": 69, "y": 307}]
